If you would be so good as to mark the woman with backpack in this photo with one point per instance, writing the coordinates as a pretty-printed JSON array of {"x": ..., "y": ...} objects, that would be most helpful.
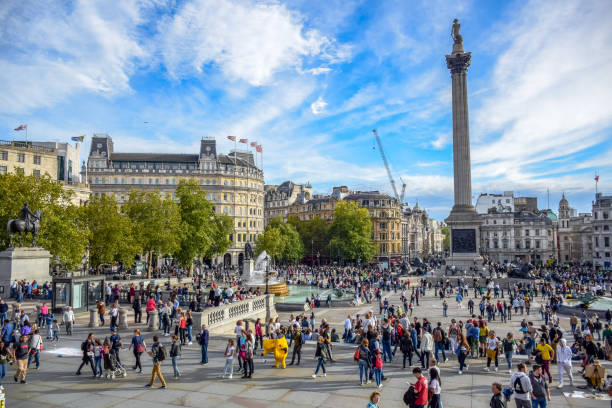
[
  {"x": 407, "y": 348},
  {"x": 362, "y": 355},
  {"x": 509, "y": 344},
  {"x": 138, "y": 347},
  {"x": 248, "y": 355}
]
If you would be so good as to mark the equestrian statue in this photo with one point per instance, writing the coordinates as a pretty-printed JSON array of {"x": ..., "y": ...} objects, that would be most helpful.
[{"x": 28, "y": 222}]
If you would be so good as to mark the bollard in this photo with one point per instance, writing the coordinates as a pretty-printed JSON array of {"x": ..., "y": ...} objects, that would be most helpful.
[
  {"x": 93, "y": 318},
  {"x": 153, "y": 321},
  {"x": 123, "y": 324}
]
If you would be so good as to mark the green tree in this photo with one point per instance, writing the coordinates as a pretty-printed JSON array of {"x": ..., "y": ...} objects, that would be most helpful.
[
  {"x": 351, "y": 232},
  {"x": 314, "y": 234},
  {"x": 446, "y": 241},
  {"x": 156, "y": 223},
  {"x": 111, "y": 233},
  {"x": 61, "y": 233},
  {"x": 291, "y": 248},
  {"x": 197, "y": 222},
  {"x": 270, "y": 241},
  {"x": 222, "y": 227}
]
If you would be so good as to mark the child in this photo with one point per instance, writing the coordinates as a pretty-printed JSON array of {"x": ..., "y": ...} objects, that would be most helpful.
[
  {"x": 378, "y": 365},
  {"x": 98, "y": 355},
  {"x": 229, "y": 359},
  {"x": 49, "y": 322},
  {"x": 55, "y": 330}
]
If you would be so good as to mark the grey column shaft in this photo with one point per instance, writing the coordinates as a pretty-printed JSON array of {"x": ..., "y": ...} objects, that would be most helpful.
[{"x": 461, "y": 141}]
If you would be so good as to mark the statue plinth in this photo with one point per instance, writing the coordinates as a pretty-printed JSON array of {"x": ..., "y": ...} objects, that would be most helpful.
[{"x": 29, "y": 263}]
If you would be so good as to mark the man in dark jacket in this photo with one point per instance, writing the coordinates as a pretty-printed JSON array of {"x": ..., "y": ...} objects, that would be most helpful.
[
  {"x": 540, "y": 394},
  {"x": 203, "y": 341},
  {"x": 296, "y": 339},
  {"x": 496, "y": 399},
  {"x": 137, "y": 306}
]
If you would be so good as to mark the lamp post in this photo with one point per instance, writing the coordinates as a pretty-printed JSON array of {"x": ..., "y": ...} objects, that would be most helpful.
[{"x": 267, "y": 276}]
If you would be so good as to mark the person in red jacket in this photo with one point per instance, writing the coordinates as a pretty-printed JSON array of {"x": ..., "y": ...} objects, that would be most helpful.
[{"x": 420, "y": 388}]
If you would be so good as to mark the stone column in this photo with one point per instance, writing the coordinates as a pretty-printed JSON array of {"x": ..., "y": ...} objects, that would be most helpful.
[
  {"x": 123, "y": 323},
  {"x": 153, "y": 321},
  {"x": 93, "y": 318}
]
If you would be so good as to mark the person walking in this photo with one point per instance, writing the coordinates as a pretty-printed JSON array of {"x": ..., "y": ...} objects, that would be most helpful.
[
  {"x": 547, "y": 353},
  {"x": 521, "y": 384},
  {"x": 258, "y": 334},
  {"x": 158, "y": 354},
  {"x": 137, "y": 306},
  {"x": 420, "y": 388},
  {"x": 540, "y": 393},
  {"x": 439, "y": 342},
  {"x": 435, "y": 388},
  {"x": 36, "y": 345},
  {"x": 21, "y": 351},
  {"x": 229, "y": 359},
  {"x": 407, "y": 348},
  {"x": 564, "y": 362},
  {"x": 203, "y": 338},
  {"x": 69, "y": 320},
  {"x": 463, "y": 350},
  {"x": 427, "y": 345},
  {"x": 248, "y": 356},
  {"x": 87, "y": 349},
  {"x": 5, "y": 358},
  {"x": 189, "y": 323},
  {"x": 496, "y": 399},
  {"x": 297, "y": 339},
  {"x": 175, "y": 355},
  {"x": 101, "y": 311},
  {"x": 98, "y": 354},
  {"x": 320, "y": 355},
  {"x": 138, "y": 347},
  {"x": 363, "y": 359},
  {"x": 378, "y": 366},
  {"x": 509, "y": 345}
]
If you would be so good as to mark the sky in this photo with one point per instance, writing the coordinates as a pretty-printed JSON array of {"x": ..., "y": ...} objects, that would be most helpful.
[{"x": 310, "y": 79}]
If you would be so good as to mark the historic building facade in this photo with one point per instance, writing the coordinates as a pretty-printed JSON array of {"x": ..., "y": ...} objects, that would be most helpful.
[
  {"x": 421, "y": 235},
  {"x": 575, "y": 234},
  {"x": 233, "y": 183},
  {"x": 523, "y": 236},
  {"x": 28, "y": 158},
  {"x": 602, "y": 231},
  {"x": 278, "y": 199}
]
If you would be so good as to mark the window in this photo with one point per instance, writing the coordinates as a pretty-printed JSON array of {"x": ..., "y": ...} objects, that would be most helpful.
[
  {"x": 19, "y": 170},
  {"x": 139, "y": 181},
  {"x": 2, "y": 169},
  {"x": 116, "y": 180},
  {"x": 21, "y": 157},
  {"x": 37, "y": 160},
  {"x": 537, "y": 243},
  {"x": 133, "y": 180},
  {"x": 3, "y": 155},
  {"x": 606, "y": 242},
  {"x": 150, "y": 181},
  {"x": 167, "y": 181}
]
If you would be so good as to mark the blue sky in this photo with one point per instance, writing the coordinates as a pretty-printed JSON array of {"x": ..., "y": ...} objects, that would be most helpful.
[{"x": 309, "y": 80}]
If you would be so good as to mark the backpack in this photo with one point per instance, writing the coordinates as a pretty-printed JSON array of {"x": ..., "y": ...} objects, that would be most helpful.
[
  {"x": 84, "y": 346},
  {"x": 508, "y": 345},
  {"x": 161, "y": 353},
  {"x": 437, "y": 335},
  {"x": 410, "y": 396},
  {"x": 356, "y": 355},
  {"x": 518, "y": 386}
]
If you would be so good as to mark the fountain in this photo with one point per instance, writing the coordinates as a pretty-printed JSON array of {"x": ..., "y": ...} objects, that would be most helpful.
[{"x": 254, "y": 274}]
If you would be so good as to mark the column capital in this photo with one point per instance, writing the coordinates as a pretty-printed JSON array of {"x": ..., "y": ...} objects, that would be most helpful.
[{"x": 458, "y": 63}]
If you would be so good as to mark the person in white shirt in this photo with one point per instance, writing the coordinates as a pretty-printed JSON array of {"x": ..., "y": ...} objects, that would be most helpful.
[
  {"x": 521, "y": 385},
  {"x": 564, "y": 362},
  {"x": 68, "y": 320},
  {"x": 348, "y": 326}
]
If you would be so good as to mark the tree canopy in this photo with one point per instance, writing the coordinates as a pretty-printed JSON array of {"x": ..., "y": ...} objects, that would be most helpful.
[
  {"x": 281, "y": 241},
  {"x": 351, "y": 232}
]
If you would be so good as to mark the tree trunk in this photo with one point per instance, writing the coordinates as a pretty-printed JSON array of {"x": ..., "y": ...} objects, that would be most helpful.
[
  {"x": 149, "y": 263},
  {"x": 191, "y": 270}
]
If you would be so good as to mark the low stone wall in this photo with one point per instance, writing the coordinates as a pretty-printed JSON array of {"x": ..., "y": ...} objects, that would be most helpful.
[{"x": 223, "y": 319}]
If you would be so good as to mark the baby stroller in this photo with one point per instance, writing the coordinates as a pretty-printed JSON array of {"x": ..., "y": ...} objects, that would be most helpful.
[{"x": 112, "y": 367}]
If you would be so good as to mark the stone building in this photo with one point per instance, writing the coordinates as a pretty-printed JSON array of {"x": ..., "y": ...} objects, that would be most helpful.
[
  {"x": 501, "y": 202},
  {"x": 233, "y": 183},
  {"x": 574, "y": 233},
  {"x": 523, "y": 236},
  {"x": 278, "y": 199},
  {"x": 602, "y": 232},
  {"x": 421, "y": 235},
  {"x": 28, "y": 158}
]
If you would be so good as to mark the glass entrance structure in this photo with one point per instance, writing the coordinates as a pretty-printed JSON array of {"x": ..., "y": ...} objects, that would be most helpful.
[{"x": 77, "y": 292}]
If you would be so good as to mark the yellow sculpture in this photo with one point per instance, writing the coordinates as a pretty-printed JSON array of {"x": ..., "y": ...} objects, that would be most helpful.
[{"x": 280, "y": 349}]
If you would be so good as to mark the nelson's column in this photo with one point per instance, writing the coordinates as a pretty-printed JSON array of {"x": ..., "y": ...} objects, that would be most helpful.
[{"x": 463, "y": 221}]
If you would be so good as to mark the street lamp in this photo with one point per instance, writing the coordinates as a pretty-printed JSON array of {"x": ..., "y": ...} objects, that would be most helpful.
[{"x": 267, "y": 276}]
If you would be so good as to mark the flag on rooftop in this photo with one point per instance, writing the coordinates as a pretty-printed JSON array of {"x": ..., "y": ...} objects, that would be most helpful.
[
  {"x": 258, "y": 148},
  {"x": 233, "y": 138},
  {"x": 21, "y": 127},
  {"x": 78, "y": 138},
  {"x": 244, "y": 140},
  {"x": 253, "y": 144}
]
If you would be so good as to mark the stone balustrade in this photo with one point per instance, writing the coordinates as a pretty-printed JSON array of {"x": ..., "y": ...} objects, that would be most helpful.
[{"x": 224, "y": 318}]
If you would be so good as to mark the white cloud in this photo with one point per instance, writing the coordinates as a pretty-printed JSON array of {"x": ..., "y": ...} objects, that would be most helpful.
[
  {"x": 441, "y": 141},
  {"x": 246, "y": 40},
  {"x": 55, "y": 50},
  {"x": 319, "y": 70},
  {"x": 318, "y": 106},
  {"x": 551, "y": 87}
]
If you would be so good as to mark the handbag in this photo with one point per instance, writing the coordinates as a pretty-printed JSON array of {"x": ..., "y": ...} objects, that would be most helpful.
[{"x": 139, "y": 348}]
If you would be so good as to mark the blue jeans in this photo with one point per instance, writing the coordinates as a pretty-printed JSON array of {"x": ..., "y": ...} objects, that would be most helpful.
[
  {"x": 102, "y": 319},
  {"x": 461, "y": 357},
  {"x": 440, "y": 346},
  {"x": 98, "y": 365},
  {"x": 2, "y": 372},
  {"x": 509, "y": 359},
  {"x": 204, "y": 354},
  {"x": 36, "y": 357},
  {"x": 175, "y": 360},
  {"x": 378, "y": 375},
  {"x": 425, "y": 357},
  {"x": 538, "y": 403},
  {"x": 363, "y": 369},
  {"x": 2, "y": 318},
  {"x": 189, "y": 335},
  {"x": 444, "y": 312},
  {"x": 320, "y": 364},
  {"x": 387, "y": 350}
]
